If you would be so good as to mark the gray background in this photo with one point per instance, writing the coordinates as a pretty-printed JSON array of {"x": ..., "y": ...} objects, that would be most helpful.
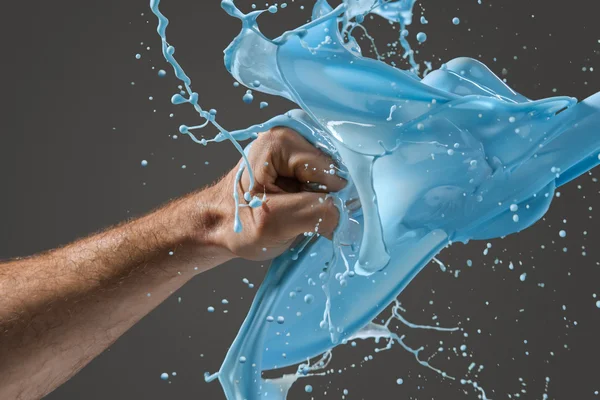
[{"x": 74, "y": 131}]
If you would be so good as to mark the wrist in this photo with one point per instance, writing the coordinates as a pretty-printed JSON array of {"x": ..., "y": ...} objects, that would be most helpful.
[
  {"x": 202, "y": 221},
  {"x": 186, "y": 232}
]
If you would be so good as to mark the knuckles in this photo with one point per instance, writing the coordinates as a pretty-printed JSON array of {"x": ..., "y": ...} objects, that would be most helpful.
[
  {"x": 277, "y": 138},
  {"x": 264, "y": 223}
]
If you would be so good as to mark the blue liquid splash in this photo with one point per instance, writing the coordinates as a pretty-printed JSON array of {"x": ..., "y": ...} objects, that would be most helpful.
[{"x": 454, "y": 156}]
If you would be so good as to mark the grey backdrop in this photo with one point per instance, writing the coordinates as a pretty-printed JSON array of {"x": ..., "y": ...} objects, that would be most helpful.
[{"x": 74, "y": 130}]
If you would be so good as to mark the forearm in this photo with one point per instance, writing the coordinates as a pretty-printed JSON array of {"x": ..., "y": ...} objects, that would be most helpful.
[{"x": 61, "y": 309}]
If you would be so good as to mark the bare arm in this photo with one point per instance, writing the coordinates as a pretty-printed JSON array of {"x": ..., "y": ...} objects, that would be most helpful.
[{"x": 60, "y": 309}]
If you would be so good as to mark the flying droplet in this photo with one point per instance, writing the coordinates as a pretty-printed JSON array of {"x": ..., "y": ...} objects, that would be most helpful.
[
  {"x": 248, "y": 97},
  {"x": 523, "y": 276}
]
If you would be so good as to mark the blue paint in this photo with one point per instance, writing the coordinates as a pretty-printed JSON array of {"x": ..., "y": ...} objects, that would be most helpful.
[
  {"x": 429, "y": 162},
  {"x": 208, "y": 116},
  {"x": 248, "y": 97},
  {"x": 562, "y": 233}
]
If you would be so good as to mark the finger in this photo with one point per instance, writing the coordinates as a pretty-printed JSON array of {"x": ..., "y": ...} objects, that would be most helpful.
[
  {"x": 304, "y": 212},
  {"x": 316, "y": 171},
  {"x": 294, "y": 157}
]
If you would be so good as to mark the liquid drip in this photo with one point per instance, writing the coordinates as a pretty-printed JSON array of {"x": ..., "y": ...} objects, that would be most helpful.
[{"x": 449, "y": 157}]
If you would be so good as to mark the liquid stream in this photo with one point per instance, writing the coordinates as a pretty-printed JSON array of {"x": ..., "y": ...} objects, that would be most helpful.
[{"x": 454, "y": 156}]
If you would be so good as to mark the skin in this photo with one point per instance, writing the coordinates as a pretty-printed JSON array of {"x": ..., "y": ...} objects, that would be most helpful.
[{"x": 60, "y": 309}]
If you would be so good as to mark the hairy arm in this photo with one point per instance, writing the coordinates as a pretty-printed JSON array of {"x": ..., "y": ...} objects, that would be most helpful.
[{"x": 60, "y": 309}]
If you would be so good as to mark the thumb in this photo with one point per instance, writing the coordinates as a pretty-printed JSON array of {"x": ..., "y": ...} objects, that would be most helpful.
[{"x": 304, "y": 212}]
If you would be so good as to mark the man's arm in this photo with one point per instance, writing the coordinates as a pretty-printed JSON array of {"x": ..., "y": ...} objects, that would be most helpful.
[{"x": 60, "y": 309}]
